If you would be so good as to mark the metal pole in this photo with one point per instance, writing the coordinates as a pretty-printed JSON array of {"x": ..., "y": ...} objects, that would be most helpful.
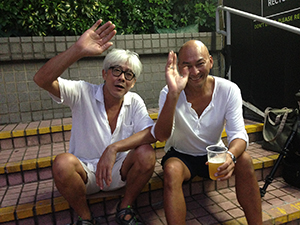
[
  {"x": 274, "y": 23},
  {"x": 228, "y": 28},
  {"x": 227, "y": 33}
]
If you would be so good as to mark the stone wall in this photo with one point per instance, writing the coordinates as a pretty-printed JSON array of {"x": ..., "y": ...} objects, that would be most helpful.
[{"x": 21, "y": 100}]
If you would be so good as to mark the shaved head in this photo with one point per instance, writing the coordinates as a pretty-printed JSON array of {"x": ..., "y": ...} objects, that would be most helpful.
[
  {"x": 190, "y": 47},
  {"x": 194, "y": 59}
]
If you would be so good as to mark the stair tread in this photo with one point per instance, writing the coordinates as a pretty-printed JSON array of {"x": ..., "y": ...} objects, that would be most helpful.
[
  {"x": 62, "y": 124},
  {"x": 36, "y": 196},
  {"x": 44, "y": 126},
  {"x": 261, "y": 159},
  {"x": 33, "y": 157},
  {"x": 280, "y": 204},
  {"x": 43, "y": 197}
]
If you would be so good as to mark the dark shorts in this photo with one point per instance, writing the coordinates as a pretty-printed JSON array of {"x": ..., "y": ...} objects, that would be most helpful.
[{"x": 196, "y": 164}]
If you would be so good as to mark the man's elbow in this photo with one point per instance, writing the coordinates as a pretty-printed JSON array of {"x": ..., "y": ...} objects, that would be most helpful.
[
  {"x": 161, "y": 137},
  {"x": 39, "y": 81},
  {"x": 161, "y": 134},
  {"x": 42, "y": 82}
]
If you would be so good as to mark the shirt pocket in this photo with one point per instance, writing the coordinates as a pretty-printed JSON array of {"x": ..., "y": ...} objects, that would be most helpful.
[{"x": 127, "y": 130}]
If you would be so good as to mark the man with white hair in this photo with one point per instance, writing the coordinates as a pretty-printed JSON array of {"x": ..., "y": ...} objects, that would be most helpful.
[{"x": 110, "y": 145}]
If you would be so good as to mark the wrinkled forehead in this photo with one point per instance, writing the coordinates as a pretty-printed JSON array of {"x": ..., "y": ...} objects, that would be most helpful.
[{"x": 192, "y": 53}]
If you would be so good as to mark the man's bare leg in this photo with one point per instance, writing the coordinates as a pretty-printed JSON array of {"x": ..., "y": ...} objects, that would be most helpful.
[
  {"x": 175, "y": 172},
  {"x": 247, "y": 189},
  {"x": 70, "y": 178},
  {"x": 137, "y": 169}
]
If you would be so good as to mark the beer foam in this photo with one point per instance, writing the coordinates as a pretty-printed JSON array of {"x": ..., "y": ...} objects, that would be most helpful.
[{"x": 216, "y": 160}]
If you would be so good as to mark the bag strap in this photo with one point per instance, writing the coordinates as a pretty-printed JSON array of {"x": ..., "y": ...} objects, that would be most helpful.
[{"x": 277, "y": 119}]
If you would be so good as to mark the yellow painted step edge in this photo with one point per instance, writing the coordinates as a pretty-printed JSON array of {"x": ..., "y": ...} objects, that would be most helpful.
[{"x": 44, "y": 130}]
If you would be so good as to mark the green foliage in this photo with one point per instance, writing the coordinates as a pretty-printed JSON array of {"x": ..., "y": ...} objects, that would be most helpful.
[
  {"x": 62, "y": 18},
  {"x": 205, "y": 13}
]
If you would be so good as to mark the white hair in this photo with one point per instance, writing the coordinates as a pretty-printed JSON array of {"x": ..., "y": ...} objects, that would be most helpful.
[{"x": 119, "y": 56}]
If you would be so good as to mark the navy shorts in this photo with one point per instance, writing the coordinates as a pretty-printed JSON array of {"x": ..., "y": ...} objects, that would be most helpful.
[{"x": 196, "y": 164}]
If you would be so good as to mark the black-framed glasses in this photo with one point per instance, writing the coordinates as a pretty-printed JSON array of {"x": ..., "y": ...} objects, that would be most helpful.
[{"x": 117, "y": 71}]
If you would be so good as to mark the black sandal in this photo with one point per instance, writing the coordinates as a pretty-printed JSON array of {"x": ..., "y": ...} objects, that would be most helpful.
[
  {"x": 85, "y": 222},
  {"x": 122, "y": 213},
  {"x": 93, "y": 221}
]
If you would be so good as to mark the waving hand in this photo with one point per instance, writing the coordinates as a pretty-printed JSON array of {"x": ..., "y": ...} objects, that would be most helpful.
[
  {"x": 95, "y": 40},
  {"x": 176, "y": 82},
  {"x": 92, "y": 42}
]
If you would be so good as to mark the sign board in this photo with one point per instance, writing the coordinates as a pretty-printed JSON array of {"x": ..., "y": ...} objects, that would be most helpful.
[
  {"x": 284, "y": 11},
  {"x": 266, "y": 59},
  {"x": 281, "y": 8}
]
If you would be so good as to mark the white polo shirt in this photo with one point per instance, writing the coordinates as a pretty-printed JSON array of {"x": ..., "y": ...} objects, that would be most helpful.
[
  {"x": 192, "y": 134},
  {"x": 91, "y": 133}
]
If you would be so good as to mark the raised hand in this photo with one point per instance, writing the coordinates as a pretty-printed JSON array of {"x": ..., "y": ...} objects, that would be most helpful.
[
  {"x": 92, "y": 42},
  {"x": 176, "y": 82},
  {"x": 95, "y": 40}
]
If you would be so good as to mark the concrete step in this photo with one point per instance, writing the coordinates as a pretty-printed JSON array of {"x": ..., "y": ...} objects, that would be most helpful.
[
  {"x": 39, "y": 202},
  {"x": 29, "y": 195},
  {"x": 28, "y": 150}
]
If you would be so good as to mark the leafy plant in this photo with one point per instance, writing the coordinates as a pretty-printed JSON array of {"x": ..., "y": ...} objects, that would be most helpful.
[
  {"x": 63, "y": 18},
  {"x": 205, "y": 13}
]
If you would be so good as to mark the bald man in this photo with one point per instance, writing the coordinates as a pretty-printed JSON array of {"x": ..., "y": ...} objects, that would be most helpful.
[{"x": 194, "y": 109}]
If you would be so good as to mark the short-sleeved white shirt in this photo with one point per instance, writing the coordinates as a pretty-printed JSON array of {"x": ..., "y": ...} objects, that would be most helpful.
[
  {"x": 191, "y": 134},
  {"x": 91, "y": 133}
]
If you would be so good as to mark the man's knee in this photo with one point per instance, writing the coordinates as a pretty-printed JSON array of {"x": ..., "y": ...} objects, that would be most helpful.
[
  {"x": 174, "y": 172},
  {"x": 63, "y": 161},
  {"x": 64, "y": 165},
  {"x": 145, "y": 154},
  {"x": 244, "y": 164}
]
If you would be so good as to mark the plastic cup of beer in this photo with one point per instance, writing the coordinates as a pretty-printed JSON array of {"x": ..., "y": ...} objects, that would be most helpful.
[{"x": 216, "y": 157}]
